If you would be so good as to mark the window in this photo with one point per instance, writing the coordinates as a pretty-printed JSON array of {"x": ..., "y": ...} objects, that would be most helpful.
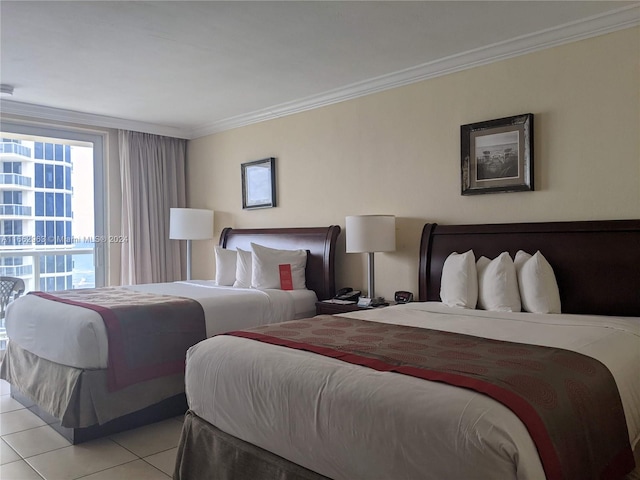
[
  {"x": 48, "y": 176},
  {"x": 50, "y": 232},
  {"x": 59, "y": 172},
  {"x": 69, "y": 161},
  {"x": 12, "y": 167},
  {"x": 59, "y": 204},
  {"x": 39, "y": 175},
  {"x": 39, "y": 204},
  {"x": 50, "y": 208},
  {"x": 10, "y": 197},
  {"x": 39, "y": 232}
]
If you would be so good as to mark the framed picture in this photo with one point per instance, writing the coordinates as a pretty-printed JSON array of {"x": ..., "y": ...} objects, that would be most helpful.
[
  {"x": 259, "y": 184},
  {"x": 497, "y": 155}
]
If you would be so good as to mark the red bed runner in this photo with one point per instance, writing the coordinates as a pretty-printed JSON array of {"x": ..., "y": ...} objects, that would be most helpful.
[
  {"x": 569, "y": 402},
  {"x": 148, "y": 334}
]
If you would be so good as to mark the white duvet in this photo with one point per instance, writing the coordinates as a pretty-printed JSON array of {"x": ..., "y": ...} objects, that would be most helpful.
[
  {"x": 76, "y": 336},
  {"x": 349, "y": 422}
]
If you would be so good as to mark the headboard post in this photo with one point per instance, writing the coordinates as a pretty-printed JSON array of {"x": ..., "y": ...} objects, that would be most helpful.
[
  {"x": 319, "y": 242},
  {"x": 596, "y": 263}
]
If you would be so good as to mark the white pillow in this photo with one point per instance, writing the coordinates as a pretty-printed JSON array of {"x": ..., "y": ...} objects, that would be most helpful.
[
  {"x": 459, "y": 284},
  {"x": 243, "y": 269},
  {"x": 538, "y": 286},
  {"x": 498, "y": 284},
  {"x": 225, "y": 266},
  {"x": 266, "y": 267}
]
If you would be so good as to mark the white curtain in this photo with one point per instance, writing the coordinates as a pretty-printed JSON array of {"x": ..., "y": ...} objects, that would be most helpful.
[{"x": 152, "y": 171}]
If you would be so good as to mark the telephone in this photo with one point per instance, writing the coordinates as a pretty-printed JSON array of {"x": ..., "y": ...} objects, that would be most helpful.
[{"x": 347, "y": 294}]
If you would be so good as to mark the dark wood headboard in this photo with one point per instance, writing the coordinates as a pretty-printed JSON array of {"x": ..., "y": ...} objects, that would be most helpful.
[
  {"x": 320, "y": 243},
  {"x": 596, "y": 263}
]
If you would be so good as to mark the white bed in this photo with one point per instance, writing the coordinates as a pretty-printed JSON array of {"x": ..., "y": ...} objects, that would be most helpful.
[
  {"x": 57, "y": 357},
  {"x": 82, "y": 331},
  {"x": 360, "y": 441},
  {"x": 261, "y": 410}
]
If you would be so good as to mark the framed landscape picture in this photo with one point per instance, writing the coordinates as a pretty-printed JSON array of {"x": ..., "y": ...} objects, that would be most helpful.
[
  {"x": 497, "y": 155},
  {"x": 259, "y": 184}
]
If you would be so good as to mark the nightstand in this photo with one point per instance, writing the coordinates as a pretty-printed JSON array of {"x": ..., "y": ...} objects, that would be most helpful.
[{"x": 324, "y": 308}]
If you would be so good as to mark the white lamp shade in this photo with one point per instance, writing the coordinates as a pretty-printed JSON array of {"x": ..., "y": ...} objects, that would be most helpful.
[
  {"x": 190, "y": 224},
  {"x": 371, "y": 233}
]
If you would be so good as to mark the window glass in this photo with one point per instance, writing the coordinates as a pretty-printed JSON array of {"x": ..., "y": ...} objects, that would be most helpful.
[
  {"x": 51, "y": 263},
  {"x": 60, "y": 264},
  {"x": 43, "y": 284},
  {"x": 67, "y": 178},
  {"x": 48, "y": 176},
  {"x": 59, "y": 171},
  {"x": 60, "y": 281},
  {"x": 48, "y": 151},
  {"x": 67, "y": 202},
  {"x": 39, "y": 175},
  {"x": 49, "y": 227},
  {"x": 49, "y": 204},
  {"x": 51, "y": 284},
  {"x": 59, "y": 233},
  {"x": 39, "y": 204},
  {"x": 59, "y": 152},
  {"x": 39, "y": 232},
  {"x": 69, "y": 260},
  {"x": 67, "y": 153},
  {"x": 59, "y": 204},
  {"x": 69, "y": 282},
  {"x": 38, "y": 151}
]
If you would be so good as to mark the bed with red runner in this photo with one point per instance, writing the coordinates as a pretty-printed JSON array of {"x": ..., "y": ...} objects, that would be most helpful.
[
  {"x": 148, "y": 333},
  {"x": 425, "y": 391},
  {"x": 93, "y": 362}
]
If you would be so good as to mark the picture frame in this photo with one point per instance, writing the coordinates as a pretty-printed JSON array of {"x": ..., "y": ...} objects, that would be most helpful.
[
  {"x": 497, "y": 155},
  {"x": 259, "y": 184}
]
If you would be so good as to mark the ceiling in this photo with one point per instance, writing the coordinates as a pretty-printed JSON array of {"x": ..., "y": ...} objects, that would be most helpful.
[{"x": 188, "y": 69}]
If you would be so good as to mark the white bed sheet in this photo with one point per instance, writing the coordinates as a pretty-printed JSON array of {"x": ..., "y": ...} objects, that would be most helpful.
[
  {"x": 349, "y": 422},
  {"x": 77, "y": 337}
]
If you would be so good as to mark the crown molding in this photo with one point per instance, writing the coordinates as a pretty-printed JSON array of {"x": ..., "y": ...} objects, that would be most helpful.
[
  {"x": 87, "y": 119},
  {"x": 608, "y": 22}
]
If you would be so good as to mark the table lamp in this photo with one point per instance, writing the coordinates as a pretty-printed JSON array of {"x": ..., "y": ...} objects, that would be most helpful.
[
  {"x": 190, "y": 224},
  {"x": 370, "y": 234}
]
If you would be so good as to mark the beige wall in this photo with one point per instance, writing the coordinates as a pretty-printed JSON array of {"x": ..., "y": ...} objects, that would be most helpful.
[{"x": 398, "y": 152}]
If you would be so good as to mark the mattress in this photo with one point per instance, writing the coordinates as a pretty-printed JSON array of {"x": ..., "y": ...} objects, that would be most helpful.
[
  {"x": 42, "y": 326},
  {"x": 344, "y": 421}
]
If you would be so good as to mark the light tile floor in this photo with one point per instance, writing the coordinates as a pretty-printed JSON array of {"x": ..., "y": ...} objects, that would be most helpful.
[{"x": 30, "y": 449}]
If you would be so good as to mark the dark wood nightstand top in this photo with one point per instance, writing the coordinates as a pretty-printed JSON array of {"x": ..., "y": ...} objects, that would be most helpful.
[{"x": 327, "y": 308}]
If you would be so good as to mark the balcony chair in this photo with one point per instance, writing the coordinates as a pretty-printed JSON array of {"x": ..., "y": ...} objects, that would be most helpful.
[{"x": 10, "y": 289}]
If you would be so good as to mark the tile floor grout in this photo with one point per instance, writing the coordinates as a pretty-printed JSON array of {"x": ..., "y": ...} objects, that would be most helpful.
[{"x": 165, "y": 434}]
